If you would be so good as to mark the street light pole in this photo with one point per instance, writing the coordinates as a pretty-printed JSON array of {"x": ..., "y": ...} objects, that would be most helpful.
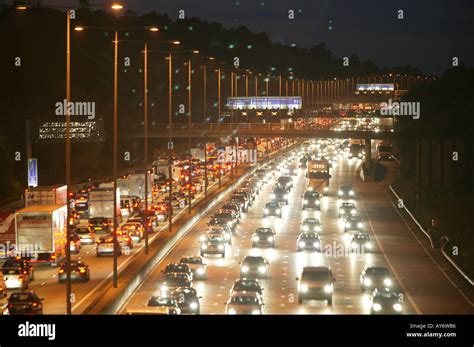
[
  {"x": 170, "y": 144},
  {"x": 115, "y": 275},
  {"x": 189, "y": 129},
  {"x": 219, "y": 118},
  {"x": 145, "y": 126},
  {"x": 205, "y": 119}
]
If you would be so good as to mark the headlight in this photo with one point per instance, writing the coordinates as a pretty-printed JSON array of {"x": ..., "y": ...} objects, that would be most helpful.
[
  {"x": 317, "y": 202},
  {"x": 277, "y": 210},
  {"x": 317, "y": 228},
  {"x": 301, "y": 244},
  {"x": 305, "y": 228},
  {"x": 397, "y": 307},
  {"x": 270, "y": 238},
  {"x": 256, "y": 312},
  {"x": 256, "y": 238},
  {"x": 262, "y": 269},
  {"x": 202, "y": 238},
  {"x": 304, "y": 288},
  {"x": 220, "y": 247},
  {"x": 339, "y": 192},
  {"x": 193, "y": 305},
  {"x": 359, "y": 225},
  {"x": 316, "y": 244},
  {"x": 326, "y": 189},
  {"x": 353, "y": 211},
  {"x": 272, "y": 196},
  {"x": 231, "y": 311},
  {"x": 266, "y": 210},
  {"x": 229, "y": 223},
  {"x": 285, "y": 196},
  {"x": 288, "y": 184},
  {"x": 203, "y": 246},
  {"x": 327, "y": 288},
  {"x": 360, "y": 155},
  {"x": 305, "y": 201},
  {"x": 368, "y": 245},
  {"x": 245, "y": 269},
  {"x": 376, "y": 307},
  {"x": 227, "y": 236},
  {"x": 367, "y": 282},
  {"x": 200, "y": 271},
  {"x": 348, "y": 225},
  {"x": 164, "y": 288},
  {"x": 387, "y": 282},
  {"x": 351, "y": 193},
  {"x": 341, "y": 211}
]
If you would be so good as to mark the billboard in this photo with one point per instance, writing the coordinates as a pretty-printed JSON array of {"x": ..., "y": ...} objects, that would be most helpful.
[
  {"x": 375, "y": 87},
  {"x": 264, "y": 103}
]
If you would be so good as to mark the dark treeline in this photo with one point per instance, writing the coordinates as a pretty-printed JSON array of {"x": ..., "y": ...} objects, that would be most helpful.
[{"x": 37, "y": 37}]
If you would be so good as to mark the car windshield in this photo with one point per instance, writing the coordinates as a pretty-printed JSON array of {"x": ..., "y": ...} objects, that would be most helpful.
[
  {"x": 384, "y": 148},
  {"x": 264, "y": 231},
  {"x": 81, "y": 231},
  {"x": 176, "y": 268},
  {"x": 310, "y": 195},
  {"x": 377, "y": 271},
  {"x": 311, "y": 221},
  {"x": 279, "y": 190},
  {"x": 244, "y": 300},
  {"x": 347, "y": 204},
  {"x": 246, "y": 285},
  {"x": 191, "y": 260},
  {"x": 315, "y": 275},
  {"x": 161, "y": 302},
  {"x": 272, "y": 205},
  {"x": 97, "y": 220},
  {"x": 176, "y": 280},
  {"x": 361, "y": 237},
  {"x": 22, "y": 297},
  {"x": 11, "y": 271},
  {"x": 214, "y": 238},
  {"x": 345, "y": 187},
  {"x": 309, "y": 236},
  {"x": 253, "y": 260}
]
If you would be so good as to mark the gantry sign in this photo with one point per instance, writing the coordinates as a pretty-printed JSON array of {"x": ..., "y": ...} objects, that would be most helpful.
[{"x": 265, "y": 103}]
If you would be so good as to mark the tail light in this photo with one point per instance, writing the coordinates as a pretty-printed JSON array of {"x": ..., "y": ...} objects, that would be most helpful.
[
  {"x": 34, "y": 304},
  {"x": 82, "y": 270},
  {"x": 61, "y": 271},
  {"x": 53, "y": 256}
]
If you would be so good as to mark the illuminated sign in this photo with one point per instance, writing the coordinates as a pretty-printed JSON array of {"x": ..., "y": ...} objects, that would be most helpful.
[
  {"x": 85, "y": 131},
  {"x": 264, "y": 103},
  {"x": 375, "y": 87}
]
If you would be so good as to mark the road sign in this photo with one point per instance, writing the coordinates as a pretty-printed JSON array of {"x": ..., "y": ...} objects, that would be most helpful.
[
  {"x": 170, "y": 145},
  {"x": 32, "y": 172}
]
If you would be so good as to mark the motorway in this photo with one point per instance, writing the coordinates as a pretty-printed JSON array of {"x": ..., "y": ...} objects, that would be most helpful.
[{"x": 425, "y": 288}]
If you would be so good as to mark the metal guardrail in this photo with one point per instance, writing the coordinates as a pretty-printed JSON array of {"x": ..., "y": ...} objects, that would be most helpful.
[{"x": 463, "y": 274}]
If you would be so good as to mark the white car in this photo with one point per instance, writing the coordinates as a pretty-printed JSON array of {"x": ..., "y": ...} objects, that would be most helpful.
[{"x": 196, "y": 264}]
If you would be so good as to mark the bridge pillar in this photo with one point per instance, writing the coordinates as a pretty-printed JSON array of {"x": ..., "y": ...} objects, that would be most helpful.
[{"x": 368, "y": 154}]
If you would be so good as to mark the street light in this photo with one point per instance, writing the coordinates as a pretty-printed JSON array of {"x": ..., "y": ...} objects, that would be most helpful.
[
  {"x": 21, "y": 7},
  {"x": 115, "y": 136}
]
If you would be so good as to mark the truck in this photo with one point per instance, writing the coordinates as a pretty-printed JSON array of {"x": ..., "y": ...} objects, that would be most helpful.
[
  {"x": 384, "y": 151},
  {"x": 160, "y": 168},
  {"x": 46, "y": 195},
  {"x": 318, "y": 175},
  {"x": 40, "y": 233},
  {"x": 198, "y": 153},
  {"x": 134, "y": 185},
  {"x": 101, "y": 202}
]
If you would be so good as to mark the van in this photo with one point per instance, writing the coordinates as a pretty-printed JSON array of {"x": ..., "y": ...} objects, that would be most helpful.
[{"x": 384, "y": 151}]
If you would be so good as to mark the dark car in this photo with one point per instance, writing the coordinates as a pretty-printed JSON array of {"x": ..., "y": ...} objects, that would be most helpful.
[
  {"x": 79, "y": 272},
  {"x": 353, "y": 222},
  {"x": 246, "y": 285},
  {"x": 178, "y": 268},
  {"x": 253, "y": 267},
  {"x": 170, "y": 303},
  {"x": 100, "y": 224},
  {"x": 220, "y": 222},
  {"x": 373, "y": 277},
  {"x": 187, "y": 299},
  {"x": 272, "y": 209},
  {"x": 286, "y": 181},
  {"x": 308, "y": 240},
  {"x": 345, "y": 191},
  {"x": 25, "y": 303},
  {"x": 213, "y": 244},
  {"x": 361, "y": 242},
  {"x": 22, "y": 265},
  {"x": 280, "y": 194},
  {"x": 386, "y": 301},
  {"x": 172, "y": 281},
  {"x": 229, "y": 217},
  {"x": 263, "y": 237},
  {"x": 311, "y": 199},
  {"x": 316, "y": 283},
  {"x": 240, "y": 201},
  {"x": 86, "y": 235},
  {"x": 311, "y": 224},
  {"x": 230, "y": 206}
]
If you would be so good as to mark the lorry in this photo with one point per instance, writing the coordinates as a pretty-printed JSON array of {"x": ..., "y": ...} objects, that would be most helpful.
[
  {"x": 46, "y": 195},
  {"x": 101, "y": 202},
  {"x": 134, "y": 185},
  {"x": 40, "y": 233},
  {"x": 161, "y": 169},
  {"x": 198, "y": 153},
  {"x": 384, "y": 151},
  {"x": 318, "y": 175}
]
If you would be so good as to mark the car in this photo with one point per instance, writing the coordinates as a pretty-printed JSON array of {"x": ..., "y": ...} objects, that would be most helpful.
[
  {"x": 280, "y": 194},
  {"x": 346, "y": 191},
  {"x": 311, "y": 224},
  {"x": 105, "y": 246},
  {"x": 167, "y": 302},
  {"x": 240, "y": 201},
  {"x": 124, "y": 239},
  {"x": 286, "y": 181},
  {"x": 311, "y": 199},
  {"x": 346, "y": 209},
  {"x": 172, "y": 281},
  {"x": 263, "y": 237},
  {"x": 187, "y": 300},
  {"x": 308, "y": 240},
  {"x": 100, "y": 224},
  {"x": 361, "y": 242},
  {"x": 246, "y": 285},
  {"x": 250, "y": 187},
  {"x": 386, "y": 301},
  {"x": 217, "y": 230},
  {"x": 220, "y": 223},
  {"x": 15, "y": 278},
  {"x": 230, "y": 206},
  {"x": 178, "y": 268},
  {"x": 76, "y": 243},
  {"x": 213, "y": 244},
  {"x": 86, "y": 235},
  {"x": 21, "y": 263},
  {"x": 353, "y": 222},
  {"x": 244, "y": 303},
  {"x": 272, "y": 209},
  {"x": 79, "y": 272},
  {"x": 229, "y": 217},
  {"x": 196, "y": 264},
  {"x": 316, "y": 282},
  {"x": 23, "y": 303},
  {"x": 3, "y": 286},
  {"x": 135, "y": 230},
  {"x": 373, "y": 277},
  {"x": 253, "y": 267}
]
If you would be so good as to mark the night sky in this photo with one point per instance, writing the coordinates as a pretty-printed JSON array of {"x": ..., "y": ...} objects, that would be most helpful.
[{"x": 432, "y": 32}]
